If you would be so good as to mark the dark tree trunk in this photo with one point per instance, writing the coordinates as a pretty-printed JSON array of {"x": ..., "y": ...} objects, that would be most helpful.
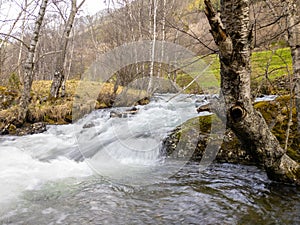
[
  {"x": 232, "y": 33},
  {"x": 29, "y": 64}
]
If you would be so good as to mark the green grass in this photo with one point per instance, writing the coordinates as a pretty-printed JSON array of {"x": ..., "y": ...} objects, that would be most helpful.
[
  {"x": 271, "y": 64},
  {"x": 264, "y": 65}
]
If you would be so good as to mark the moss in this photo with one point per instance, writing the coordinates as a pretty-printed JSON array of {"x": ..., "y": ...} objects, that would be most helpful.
[
  {"x": 100, "y": 105},
  {"x": 48, "y": 120},
  {"x": 276, "y": 114},
  {"x": 294, "y": 154}
]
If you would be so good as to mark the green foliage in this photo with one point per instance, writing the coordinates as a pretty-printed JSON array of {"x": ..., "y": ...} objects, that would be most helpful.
[
  {"x": 272, "y": 64},
  {"x": 269, "y": 65}
]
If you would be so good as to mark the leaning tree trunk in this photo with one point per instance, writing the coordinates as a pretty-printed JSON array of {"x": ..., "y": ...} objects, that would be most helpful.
[
  {"x": 232, "y": 33},
  {"x": 59, "y": 73},
  {"x": 29, "y": 64},
  {"x": 294, "y": 43}
]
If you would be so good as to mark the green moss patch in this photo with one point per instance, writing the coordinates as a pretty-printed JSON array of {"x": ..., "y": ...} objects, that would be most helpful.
[{"x": 276, "y": 114}]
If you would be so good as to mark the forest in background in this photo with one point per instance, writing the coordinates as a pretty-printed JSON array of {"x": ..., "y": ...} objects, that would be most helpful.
[
  {"x": 180, "y": 22},
  {"x": 65, "y": 49}
]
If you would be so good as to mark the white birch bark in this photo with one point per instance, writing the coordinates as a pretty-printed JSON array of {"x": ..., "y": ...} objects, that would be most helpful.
[
  {"x": 59, "y": 73},
  {"x": 231, "y": 33},
  {"x": 29, "y": 64},
  {"x": 153, "y": 27}
]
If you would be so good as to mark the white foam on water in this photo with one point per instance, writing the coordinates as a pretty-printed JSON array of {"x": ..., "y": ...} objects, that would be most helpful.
[
  {"x": 96, "y": 142},
  {"x": 19, "y": 171}
]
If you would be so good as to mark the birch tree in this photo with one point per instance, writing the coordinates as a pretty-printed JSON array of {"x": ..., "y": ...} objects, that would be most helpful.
[
  {"x": 153, "y": 4},
  {"x": 231, "y": 32},
  {"x": 59, "y": 73},
  {"x": 29, "y": 64},
  {"x": 9, "y": 33}
]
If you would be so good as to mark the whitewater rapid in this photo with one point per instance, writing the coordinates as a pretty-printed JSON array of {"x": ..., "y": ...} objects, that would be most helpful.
[{"x": 96, "y": 144}]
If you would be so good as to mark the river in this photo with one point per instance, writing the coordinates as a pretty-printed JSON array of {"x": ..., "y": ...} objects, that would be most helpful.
[{"x": 110, "y": 170}]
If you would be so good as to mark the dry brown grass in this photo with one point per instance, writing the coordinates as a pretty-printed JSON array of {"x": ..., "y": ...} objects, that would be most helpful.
[{"x": 82, "y": 97}]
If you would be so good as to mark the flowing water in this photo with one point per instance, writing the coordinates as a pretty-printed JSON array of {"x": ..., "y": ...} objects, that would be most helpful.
[{"x": 110, "y": 170}]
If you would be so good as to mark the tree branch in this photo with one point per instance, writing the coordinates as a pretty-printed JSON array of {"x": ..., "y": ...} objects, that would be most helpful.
[
  {"x": 217, "y": 29},
  {"x": 191, "y": 35},
  {"x": 17, "y": 39}
]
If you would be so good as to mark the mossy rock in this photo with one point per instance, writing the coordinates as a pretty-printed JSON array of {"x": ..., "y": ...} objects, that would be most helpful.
[{"x": 276, "y": 114}]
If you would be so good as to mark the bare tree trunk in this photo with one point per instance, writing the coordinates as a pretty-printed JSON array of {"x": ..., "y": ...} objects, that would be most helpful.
[
  {"x": 153, "y": 29},
  {"x": 294, "y": 43},
  {"x": 22, "y": 40},
  {"x": 9, "y": 35},
  {"x": 231, "y": 33},
  {"x": 59, "y": 75},
  {"x": 163, "y": 30},
  {"x": 29, "y": 64}
]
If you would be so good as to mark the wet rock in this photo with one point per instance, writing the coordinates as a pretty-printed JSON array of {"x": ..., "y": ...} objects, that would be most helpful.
[
  {"x": 143, "y": 101},
  {"x": 276, "y": 113},
  {"x": 26, "y": 129},
  {"x": 125, "y": 114},
  {"x": 29, "y": 129},
  {"x": 204, "y": 108},
  {"x": 175, "y": 145}
]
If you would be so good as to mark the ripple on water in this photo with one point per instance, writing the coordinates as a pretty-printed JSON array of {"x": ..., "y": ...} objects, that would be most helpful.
[{"x": 223, "y": 194}]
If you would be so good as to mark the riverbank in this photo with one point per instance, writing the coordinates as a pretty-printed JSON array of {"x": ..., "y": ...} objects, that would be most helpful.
[
  {"x": 276, "y": 114},
  {"x": 46, "y": 111}
]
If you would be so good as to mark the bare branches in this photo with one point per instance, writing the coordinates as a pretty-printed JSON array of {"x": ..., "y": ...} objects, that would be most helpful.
[
  {"x": 14, "y": 37},
  {"x": 193, "y": 35}
]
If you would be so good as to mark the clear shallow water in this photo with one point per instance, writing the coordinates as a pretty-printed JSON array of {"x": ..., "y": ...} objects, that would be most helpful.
[
  {"x": 223, "y": 194},
  {"x": 53, "y": 178}
]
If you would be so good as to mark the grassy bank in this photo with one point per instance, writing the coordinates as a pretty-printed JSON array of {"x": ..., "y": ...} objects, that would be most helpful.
[{"x": 268, "y": 68}]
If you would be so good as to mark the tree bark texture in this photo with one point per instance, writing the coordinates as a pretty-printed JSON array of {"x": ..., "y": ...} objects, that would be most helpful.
[
  {"x": 293, "y": 20},
  {"x": 59, "y": 73},
  {"x": 232, "y": 33},
  {"x": 29, "y": 64}
]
